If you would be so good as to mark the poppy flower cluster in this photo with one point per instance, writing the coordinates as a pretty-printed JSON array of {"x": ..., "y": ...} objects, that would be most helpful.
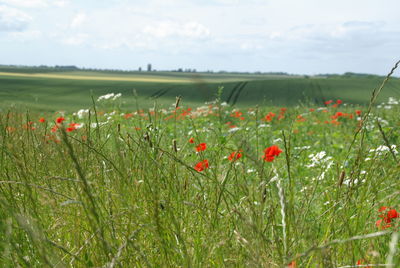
[
  {"x": 340, "y": 114},
  {"x": 202, "y": 165},
  {"x": 128, "y": 115},
  {"x": 235, "y": 156},
  {"x": 282, "y": 113},
  {"x": 269, "y": 116},
  {"x": 300, "y": 118},
  {"x": 238, "y": 114},
  {"x": 201, "y": 147},
  {"x": 60, "y": 119},
  {"x": 271, "y": 152},
  {"x": 334, "y": 105},
  {"x": 72, "y": 127},
  {"x": 387, "y": 215}
]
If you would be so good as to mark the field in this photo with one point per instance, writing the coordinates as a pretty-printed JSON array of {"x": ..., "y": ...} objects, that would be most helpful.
[
  {"x": 45, "y": 90},
  {"x": 110, "y": 182}
]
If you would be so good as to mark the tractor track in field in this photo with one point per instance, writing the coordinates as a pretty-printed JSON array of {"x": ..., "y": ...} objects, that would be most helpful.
[{"x": 235, "y": 92}]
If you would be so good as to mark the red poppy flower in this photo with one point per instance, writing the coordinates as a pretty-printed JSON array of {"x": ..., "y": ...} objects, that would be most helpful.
[
  {"x": 129, "y": 115},
  {"x": 60, "y": 119},
  {"x": 361, "y": 262},
  {"x": 358, "y": 112},
  {"x": 237, "y": 114},
  {"x": 328, "y": 102},
  {"x": 339, "y": 101},
  {"x": 271, "y": 152},
  {"x": 292, "y": 265},
  {"x": 42, "y": 120},
  {"x": 201, "y": 165},
  {"x": 386, "y": 217},
  {"x": 300, "y": 118},
  {"x": 72, "y": 127},
  {"x": 235, "y": 156},
  {"x": 201, "y": 147},
  {"x": 392, "y": 214},
  {"x": 191, "y": 140},
  {"x": 269, "y": 116},
  {"x": 382, "y": 209}
]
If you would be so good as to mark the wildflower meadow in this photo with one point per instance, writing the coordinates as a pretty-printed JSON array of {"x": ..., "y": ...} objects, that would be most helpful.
[{"x": 209, "y": 186}]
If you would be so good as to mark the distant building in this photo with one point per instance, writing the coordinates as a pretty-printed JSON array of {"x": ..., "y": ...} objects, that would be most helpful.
[
  {"x": 149, "y": 67},
  {"x": 140, "y": 69}
]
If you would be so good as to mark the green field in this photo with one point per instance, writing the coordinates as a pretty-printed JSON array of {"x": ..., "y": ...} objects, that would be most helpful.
[
  {"x": 51, "y": 90},
  {"x": 227, "y": 184}
]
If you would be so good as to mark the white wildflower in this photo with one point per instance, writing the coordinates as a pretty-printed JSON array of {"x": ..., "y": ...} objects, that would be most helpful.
[
  {"x": 302, "y": 148},
  {"x": 111, "y": 96},
  {"x": 94, "y": 125},
  {"x": 116, "y": 96},
  {"x": 81, "y": 113},
  {"x": 319, "y": 159},
  {"x": 382, "y": 149},
  {"x": 393, "y": 101},
  {"x": 234, "y": 129}
]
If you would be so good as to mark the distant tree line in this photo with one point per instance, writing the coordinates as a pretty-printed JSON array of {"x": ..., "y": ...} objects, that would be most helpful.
[{"x": 61, "y": 68}]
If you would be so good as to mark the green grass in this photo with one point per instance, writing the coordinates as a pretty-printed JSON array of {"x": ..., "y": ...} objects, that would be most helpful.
[
  {"x": 53, "y": 94},
  {"x": 126, "y": 194}
]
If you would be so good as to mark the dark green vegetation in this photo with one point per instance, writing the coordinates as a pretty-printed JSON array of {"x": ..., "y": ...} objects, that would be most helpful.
[{"x": 49, "y": 93}]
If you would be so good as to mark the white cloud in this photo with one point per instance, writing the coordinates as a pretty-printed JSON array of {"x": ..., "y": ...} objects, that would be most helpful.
[
  {"x": 12, "y": 19},
  {"x": 25, "y": 3},
  {"x": 34, "y": 3},
  {"x": 26, "y": 35},
  {"x": 76, "y": 39},
  {"x": 78, "y": 20},
  {"x": 60, "y": 3},
  {"x": 169, "y": 29}
]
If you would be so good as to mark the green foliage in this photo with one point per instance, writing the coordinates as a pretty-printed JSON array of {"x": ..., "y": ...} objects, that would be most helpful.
[{"x": 122, "y": 189}]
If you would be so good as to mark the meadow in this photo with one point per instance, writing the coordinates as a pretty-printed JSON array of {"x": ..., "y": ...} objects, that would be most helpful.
[{"x": 111, "y": 181}]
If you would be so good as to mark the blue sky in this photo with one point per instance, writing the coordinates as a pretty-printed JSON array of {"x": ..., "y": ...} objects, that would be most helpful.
[{"x": 304, "y": 37}]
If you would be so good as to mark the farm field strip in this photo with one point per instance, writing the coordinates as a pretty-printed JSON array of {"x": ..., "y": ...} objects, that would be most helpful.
[{"x": 97, "y": 78}]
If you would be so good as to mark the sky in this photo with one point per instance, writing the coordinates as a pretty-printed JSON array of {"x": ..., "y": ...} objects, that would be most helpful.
[{"x": 298, "y": 37}]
